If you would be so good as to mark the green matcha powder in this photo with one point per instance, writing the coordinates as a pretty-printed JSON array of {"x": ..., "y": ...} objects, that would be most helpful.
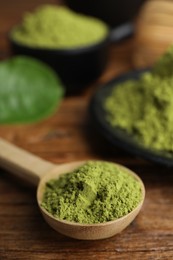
[
  {"x": 51, "y": 26},
  {"x": 96, "y": 192},
  {"x": 144, "y": 108}
]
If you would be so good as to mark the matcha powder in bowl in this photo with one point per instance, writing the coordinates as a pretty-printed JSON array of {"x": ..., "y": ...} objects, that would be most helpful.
[
  {"x": 58, "y": 27},
  {"x": 29, "y": 90},
  {"x": 74, "y": 45}
]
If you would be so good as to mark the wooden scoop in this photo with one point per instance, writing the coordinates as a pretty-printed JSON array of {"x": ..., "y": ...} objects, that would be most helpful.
[{"x": 37, "y": 171}]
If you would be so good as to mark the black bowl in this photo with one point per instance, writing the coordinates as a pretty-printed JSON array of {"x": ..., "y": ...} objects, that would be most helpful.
[{"x": 76, "y": 67}]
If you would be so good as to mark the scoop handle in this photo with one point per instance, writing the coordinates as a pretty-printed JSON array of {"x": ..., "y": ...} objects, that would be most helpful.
[{"x": 22, "y": 163}]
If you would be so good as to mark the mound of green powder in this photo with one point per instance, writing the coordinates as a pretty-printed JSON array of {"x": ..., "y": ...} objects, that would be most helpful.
[
  {"x": 96, "y": 192},
  {"x": 52, "y": 26},
  {"x": 144, "y": 107}
]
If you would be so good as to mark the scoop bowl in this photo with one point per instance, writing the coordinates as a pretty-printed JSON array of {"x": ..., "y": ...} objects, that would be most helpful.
[{"x": 86, "y": 231}]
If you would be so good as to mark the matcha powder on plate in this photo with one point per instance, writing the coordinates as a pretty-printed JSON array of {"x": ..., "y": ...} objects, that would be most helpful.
[
  {"x": 144, "y": 108},
  {"x": 96, "y": 192}
]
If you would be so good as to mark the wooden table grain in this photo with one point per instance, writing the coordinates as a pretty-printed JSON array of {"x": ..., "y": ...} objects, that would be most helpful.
[{"x": 67, "y": 137}]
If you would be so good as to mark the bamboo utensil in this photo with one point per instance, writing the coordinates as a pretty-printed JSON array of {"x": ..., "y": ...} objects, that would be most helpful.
[{"x": 153, "y": 32}]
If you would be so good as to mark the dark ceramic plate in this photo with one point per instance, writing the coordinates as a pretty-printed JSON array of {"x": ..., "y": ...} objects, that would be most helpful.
[{"x": 116, "y": 136}]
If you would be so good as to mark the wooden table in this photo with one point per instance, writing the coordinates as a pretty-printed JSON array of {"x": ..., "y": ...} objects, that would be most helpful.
[{"x": 66, "y": 137}]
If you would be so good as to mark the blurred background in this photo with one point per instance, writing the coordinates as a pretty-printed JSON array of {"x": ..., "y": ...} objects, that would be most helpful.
[{"x": 150, "y": 21}]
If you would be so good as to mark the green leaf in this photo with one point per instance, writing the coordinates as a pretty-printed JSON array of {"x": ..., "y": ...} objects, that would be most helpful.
[{"x": 29, "y": 90}]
